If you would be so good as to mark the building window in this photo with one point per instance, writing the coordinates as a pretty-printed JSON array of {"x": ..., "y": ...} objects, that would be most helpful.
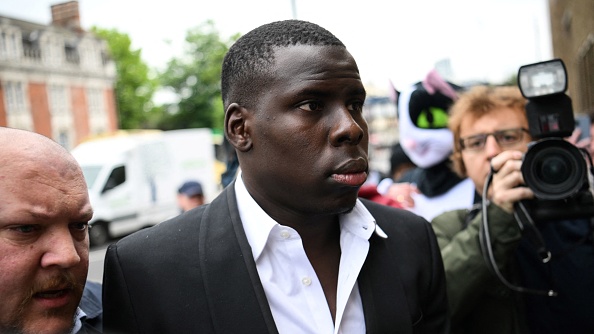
[
  {"x": 90, "y": 55},
  {"x": 72, "y": 54},
  {"x": 95, "y": 102},
  {"x": 58, "y": 100},
  {"x": 97, "y": 115},
  {"x": 9, "y": 45},
  {"x": 15, "y": 97},
  {"x": 53, "y": 51}
]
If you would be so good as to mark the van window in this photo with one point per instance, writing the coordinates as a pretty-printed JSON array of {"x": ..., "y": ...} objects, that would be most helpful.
[
  {"x": 90, "y": 173},
  {"x": 117, "y": 177}
]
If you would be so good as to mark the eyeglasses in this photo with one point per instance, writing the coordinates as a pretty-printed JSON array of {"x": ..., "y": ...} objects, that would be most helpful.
[{"x": 504, "y": 138}]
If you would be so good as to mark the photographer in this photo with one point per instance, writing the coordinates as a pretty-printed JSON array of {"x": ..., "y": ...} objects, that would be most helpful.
[{"x": 490, "y": 130}]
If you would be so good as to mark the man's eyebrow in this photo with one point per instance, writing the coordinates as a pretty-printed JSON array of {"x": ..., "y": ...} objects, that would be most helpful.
[
  {"x": 40, "y": 215},
  {"x": 312, "y": 91},
  {"x": 323, "y": 92},
  {"x": 359, "y": 91},
  {"x": 87, "y": 214}
]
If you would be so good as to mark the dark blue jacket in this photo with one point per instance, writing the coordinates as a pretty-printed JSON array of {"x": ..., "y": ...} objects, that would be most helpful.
[
  {"x": 90, "y": 303},
  {"x": 570, "y": 273}
]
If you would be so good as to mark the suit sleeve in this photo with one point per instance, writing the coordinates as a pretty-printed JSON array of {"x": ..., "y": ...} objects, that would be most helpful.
[
  {"x": 118, "y": 313},
  {"x": 436, "y": 317}
]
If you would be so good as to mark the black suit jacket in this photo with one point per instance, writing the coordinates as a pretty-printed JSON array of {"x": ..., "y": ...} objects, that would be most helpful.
[{"x": 196, "y": 274}]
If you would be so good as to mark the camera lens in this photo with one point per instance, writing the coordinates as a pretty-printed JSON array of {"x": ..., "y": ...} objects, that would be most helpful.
[{"x": 554, "y": 169}]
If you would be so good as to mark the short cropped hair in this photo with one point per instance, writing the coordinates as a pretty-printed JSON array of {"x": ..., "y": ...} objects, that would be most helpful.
[
  {"x": 248, "y": 61},
  {"x": 475, "y": 103}
]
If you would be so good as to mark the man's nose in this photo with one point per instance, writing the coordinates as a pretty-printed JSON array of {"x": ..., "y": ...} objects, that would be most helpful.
[
  {"x": 492, "y": 147},
  {"x": 60, "y": 249},
  {"x": 346, "y": 128}
]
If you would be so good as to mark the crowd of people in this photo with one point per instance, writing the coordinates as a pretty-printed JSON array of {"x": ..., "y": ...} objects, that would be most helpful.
[{"x": 291, "y": 245}]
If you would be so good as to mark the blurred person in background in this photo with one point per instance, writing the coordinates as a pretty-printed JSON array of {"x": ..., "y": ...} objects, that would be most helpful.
[
  {"x": 44, "y": 243},
  {"x": 432, "y": 187},
  {"x": 190, "y": 195},
  {"x": 584, "y": 140},
  {"x": 490, "y": 130},
  {"x": 400, "y": 164}
]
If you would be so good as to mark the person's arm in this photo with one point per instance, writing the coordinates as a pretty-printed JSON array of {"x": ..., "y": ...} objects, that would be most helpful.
[
  {"x": 118, "y": 315},
  {"x": 467, "y": 274}
]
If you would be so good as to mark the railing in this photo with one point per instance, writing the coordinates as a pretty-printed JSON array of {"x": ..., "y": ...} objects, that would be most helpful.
[{"x": 32, "y": 53}]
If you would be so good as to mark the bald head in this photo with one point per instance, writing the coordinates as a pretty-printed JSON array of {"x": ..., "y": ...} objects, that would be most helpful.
[
  {"x": 19, "y": 145},
  {"x": 30, "y": 160}
]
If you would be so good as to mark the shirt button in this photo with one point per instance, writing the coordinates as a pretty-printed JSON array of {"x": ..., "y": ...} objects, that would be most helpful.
[
  {"x": 306, "y": 281},
  {"x": 285, "y": 234}
]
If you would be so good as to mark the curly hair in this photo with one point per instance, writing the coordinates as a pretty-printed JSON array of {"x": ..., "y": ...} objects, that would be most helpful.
[
  {"x": 475, "y": 103},
  {"x": 247, "y": 64}
]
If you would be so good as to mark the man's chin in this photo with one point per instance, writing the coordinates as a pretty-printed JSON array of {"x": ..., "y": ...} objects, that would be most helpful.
[
  {"x": 48, "y": 324},
  {"x": 53, "y": 327}
]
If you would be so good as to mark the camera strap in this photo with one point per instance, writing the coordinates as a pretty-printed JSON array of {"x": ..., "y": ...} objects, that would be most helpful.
[
  {"x": 531, "y": 232},
  {"x": 487, "y": 248}
]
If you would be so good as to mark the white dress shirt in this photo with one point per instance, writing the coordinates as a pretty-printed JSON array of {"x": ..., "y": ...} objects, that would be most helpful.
[{"x": 293, "y": 290}]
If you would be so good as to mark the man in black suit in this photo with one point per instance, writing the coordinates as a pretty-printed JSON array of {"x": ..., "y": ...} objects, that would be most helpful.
[{"x": 287, "y": 247}]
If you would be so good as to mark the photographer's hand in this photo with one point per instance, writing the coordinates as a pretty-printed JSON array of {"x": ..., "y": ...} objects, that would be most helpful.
[
  {"x": 507, "y": 184},
  {"x": 582, "y": 143}
]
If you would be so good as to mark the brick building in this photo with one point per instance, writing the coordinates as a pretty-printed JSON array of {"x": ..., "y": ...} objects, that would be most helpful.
[
  {"x": 56, "y": 79},
  {"x": 572, "y": 31}
]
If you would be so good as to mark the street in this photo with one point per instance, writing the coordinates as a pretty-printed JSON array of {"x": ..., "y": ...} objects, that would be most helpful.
[{"x": 96, "y": 257}]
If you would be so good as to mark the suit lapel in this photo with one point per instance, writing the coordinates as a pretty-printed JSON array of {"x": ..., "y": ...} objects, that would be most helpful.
[
  {"x": 236, "y": 298},
  {"x": 384, "y": 300}
]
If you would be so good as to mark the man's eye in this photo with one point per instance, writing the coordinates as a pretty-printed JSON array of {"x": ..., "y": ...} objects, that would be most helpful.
[
  {"x": 80, "y": 226},
  {"x": 356, "y": 107},
  {"x": 311, "y": 106},
  {"x": 474, "y": 142},
  {"x": 509, "y": 138},
  {"x": 24, "y": 228}
]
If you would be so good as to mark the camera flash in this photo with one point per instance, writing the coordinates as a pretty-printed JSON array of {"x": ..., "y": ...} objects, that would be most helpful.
[{"x": 542, "y": 79}]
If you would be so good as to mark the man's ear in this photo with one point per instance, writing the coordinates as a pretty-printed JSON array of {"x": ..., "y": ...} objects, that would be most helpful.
[{"x": 237, "y": 127}]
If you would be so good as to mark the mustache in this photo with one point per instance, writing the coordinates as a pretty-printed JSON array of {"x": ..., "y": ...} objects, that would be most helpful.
[{"x": 64, "y": 280}]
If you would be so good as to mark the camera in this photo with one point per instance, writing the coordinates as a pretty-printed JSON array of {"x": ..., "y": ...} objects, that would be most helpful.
[{"x": 554, "y": 169}]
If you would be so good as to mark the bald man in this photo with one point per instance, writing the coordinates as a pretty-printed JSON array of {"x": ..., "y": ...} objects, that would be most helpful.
[{"x": 44, "y": 243}]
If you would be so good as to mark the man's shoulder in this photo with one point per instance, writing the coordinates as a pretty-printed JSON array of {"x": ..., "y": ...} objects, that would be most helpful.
[
  {"x": 172, "y": 235},
  {"x": 179, "y": 232}
]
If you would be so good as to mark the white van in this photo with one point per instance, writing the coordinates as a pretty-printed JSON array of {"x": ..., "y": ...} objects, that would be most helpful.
[{"x": 133, "y": 177}]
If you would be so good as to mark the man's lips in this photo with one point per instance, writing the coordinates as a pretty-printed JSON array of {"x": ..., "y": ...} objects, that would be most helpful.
[
  {"x": 352, "y": 173},
  {"x": 53, "y": 298},
  {"x": 51, "y": 293},
  {"x": 351, "y": 179}
]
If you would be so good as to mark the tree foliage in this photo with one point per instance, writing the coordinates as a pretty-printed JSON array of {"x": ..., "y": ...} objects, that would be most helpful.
[
  {"x": 195, "y": 77},
  {"x": 134, "y": 87}
]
